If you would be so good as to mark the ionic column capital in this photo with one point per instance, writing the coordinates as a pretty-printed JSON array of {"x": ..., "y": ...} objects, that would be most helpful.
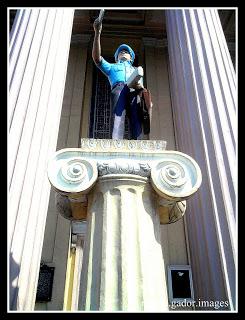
[
  {"x": 72, "y": 177},
  {"x": 71, "y": 174},
  {"x": 124, "y": 166},
  {"x": 174, "y": 176}
]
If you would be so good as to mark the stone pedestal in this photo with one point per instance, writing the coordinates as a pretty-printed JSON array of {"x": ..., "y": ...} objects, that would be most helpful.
[{"x": 131, "y": 187}]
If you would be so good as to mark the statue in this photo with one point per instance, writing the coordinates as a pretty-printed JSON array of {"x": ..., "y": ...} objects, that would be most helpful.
[{"x": 128, "y": 95}]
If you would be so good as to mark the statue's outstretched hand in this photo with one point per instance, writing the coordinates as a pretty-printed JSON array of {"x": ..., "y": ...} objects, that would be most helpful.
[{"x": 97, "y": 25}]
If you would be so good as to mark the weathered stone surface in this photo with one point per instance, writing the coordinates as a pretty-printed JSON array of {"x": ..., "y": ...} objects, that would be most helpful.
[{"x": 123, "y": 267}]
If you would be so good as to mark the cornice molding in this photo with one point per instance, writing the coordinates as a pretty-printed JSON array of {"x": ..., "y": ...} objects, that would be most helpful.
[
  {"x": 154, "y": 42},
  {"x": 80, "y": 39}
]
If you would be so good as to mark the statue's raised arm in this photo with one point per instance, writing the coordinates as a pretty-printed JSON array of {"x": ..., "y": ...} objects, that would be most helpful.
[{"x": 96, "y": 52}]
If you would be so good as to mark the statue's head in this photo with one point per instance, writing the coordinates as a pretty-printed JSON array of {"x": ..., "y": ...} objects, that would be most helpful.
[{"x": 127, "y": 49}]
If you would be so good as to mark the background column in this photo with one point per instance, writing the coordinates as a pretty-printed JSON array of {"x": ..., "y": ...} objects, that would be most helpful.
[
  {"x": 203, "y": 92},
  {"x": 57, "y": 230},
  {"x": 39, "y": 49}
]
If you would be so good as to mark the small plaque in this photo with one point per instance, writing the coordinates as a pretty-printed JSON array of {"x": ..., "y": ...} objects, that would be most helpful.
[
  {"x": 180, "y": 283},
  {"x": 45, "y": 284}
]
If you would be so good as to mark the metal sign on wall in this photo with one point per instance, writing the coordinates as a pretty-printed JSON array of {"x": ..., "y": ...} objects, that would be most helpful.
[{"x": 45, "y": 283}]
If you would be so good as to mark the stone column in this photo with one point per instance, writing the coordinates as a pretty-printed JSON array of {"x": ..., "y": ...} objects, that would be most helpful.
[
  {"x": 125, "y": 183},
  {"x": 203, "y": 90},
  {"x": 123, "y": 266},
  {"x": 57, "y": 230},
  {"x": 39, "y": 48}
]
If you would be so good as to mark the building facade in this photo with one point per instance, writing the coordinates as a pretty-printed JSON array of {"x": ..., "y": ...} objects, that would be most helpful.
[{"x": 57, "y": 96}]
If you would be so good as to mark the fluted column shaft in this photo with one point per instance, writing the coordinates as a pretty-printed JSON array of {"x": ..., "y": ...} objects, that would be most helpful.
[
  {"x": 39, "y": 49},
  {"x": 123, "y": 266},
  {"x": 203, "y": 90}
]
